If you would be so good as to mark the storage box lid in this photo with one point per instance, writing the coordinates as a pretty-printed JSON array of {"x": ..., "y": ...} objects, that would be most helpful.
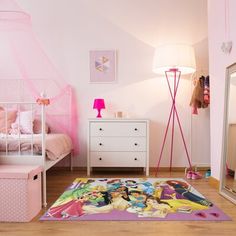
[{"x": 19, "y": 171}]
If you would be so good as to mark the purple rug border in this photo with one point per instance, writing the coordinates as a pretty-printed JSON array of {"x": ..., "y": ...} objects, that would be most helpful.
[
  {"x": 116, "y": 215},
  {"x": 126, "y": 216}
]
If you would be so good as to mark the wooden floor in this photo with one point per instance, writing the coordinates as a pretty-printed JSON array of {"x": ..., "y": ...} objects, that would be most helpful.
[
  {"x": 58, "y": 180},
  {"x": 230, "y": 182}
]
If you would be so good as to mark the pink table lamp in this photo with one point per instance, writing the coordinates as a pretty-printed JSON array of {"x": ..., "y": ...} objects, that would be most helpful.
[{"x": 99, "y": 104}]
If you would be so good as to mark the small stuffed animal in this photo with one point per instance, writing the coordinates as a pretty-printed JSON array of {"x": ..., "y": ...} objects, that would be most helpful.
[
  {"x": 43, "y": 101},
  {"x": 15, "y": 129}
]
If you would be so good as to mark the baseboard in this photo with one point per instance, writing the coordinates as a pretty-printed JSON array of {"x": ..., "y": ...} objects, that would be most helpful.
[
  {"x": 77, "y": 168},
  {"x": 151, "y": 169},
  {"x": 213, "y": 182},
  {"x": 167, "y": 169}
]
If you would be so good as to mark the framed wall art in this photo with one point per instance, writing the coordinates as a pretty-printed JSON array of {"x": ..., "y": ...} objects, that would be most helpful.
[{"x": 102, "y": 66}]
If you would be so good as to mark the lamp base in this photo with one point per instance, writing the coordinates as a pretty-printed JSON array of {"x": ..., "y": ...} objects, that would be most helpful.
[{"x": 99, "y": 113}]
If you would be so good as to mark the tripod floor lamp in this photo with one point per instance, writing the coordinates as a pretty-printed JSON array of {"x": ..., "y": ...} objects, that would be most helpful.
[{"x": 174, "y": 61}]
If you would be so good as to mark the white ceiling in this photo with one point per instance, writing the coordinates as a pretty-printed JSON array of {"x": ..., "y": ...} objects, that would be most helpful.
[
  {"x": 152, "y": 21},
  {"x": 157, "y": 21}
]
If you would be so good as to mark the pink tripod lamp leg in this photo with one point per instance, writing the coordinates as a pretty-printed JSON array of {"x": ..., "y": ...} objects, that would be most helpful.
[{"x": 173, "y": 114}]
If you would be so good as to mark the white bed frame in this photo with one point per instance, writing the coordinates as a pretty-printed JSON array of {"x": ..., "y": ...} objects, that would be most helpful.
[{"x": 20, "y": 158}]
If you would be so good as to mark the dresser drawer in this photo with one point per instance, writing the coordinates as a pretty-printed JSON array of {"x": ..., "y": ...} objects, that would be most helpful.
[
  {"x": 118, "y": 129},
  {"x": 118, "y": 159},
  {"x": 136, "y": 144}
]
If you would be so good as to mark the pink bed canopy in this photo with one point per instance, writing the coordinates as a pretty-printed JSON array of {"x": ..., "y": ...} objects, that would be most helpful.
[{"x": 26, "y": 71}]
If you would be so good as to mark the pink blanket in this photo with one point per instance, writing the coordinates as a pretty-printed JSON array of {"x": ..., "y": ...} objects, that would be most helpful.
[{"x": 56, "y": 144}]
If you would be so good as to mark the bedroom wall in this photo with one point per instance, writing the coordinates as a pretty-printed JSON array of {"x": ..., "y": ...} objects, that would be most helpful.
[
  {"x": 69, "y": 29},
  {"x": 218, "y": 61}
]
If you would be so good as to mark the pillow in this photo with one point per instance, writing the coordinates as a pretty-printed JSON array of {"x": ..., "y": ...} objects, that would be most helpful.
[
  {"x": 38, "y": 127},
  {"x": 25, "y": 119},
  {"x": 6, "y": 125}
]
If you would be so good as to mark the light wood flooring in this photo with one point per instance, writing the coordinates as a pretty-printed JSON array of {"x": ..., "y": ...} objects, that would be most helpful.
[
  {"x": 230, "y": 182},
  {"x": 59, "y": 179}
]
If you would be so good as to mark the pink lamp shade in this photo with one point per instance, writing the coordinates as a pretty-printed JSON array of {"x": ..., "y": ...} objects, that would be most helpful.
[{"x": 99, "y": 104}]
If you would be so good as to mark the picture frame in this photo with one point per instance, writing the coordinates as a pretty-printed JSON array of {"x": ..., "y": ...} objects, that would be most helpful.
[{"x": 102, "y": 66}]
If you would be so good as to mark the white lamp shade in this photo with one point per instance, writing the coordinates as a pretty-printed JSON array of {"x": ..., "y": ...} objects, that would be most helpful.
[{"x": 174, "y": 56}]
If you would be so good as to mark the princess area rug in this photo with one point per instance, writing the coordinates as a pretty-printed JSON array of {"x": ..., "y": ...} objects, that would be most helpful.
[{"x": 133, "y": 199}]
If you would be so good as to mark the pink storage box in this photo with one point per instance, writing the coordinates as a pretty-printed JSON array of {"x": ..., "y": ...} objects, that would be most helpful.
[{"x": 20, "y": 192}]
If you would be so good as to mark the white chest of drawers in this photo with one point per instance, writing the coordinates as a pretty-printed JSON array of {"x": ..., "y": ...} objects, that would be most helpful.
[{"x": 118, "y": 143}]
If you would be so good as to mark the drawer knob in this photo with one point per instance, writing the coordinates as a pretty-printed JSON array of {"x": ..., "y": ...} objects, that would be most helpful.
[
  {"x": 100, "y": 129},
  {"x": 136, "y": 129},
  {"x": 135, "y": 159},
  {"x": 136, "y": 144},
  {"x": 100, "y": 144},
  {"x": 100, "y": 158}
]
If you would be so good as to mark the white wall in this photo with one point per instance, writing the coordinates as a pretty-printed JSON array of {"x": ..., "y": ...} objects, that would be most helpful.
[
  {"x": 218, "y": 61},
  {"x": 69, "y": 29}
]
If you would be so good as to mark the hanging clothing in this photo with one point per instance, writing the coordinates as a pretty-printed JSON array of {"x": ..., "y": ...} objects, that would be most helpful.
[
  {"x": 206, "y": 92},
  {"x": 201, "y": 94}
]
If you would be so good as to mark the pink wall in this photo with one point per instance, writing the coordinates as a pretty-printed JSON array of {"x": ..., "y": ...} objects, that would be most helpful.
[
  {"x": 68, "y": 32},
  {"x": 218, "y": 61}
]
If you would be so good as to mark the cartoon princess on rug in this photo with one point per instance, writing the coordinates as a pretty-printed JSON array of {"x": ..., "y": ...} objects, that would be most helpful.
[{"x": 142, "y": 198}]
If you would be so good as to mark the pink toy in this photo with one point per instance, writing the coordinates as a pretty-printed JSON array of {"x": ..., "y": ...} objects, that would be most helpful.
[
  {"x": 20, "y": 198},
  {"x": 43, "y": 101},
  {"x": 193, "y": 175},
  {"x": 189, "y": 174}
]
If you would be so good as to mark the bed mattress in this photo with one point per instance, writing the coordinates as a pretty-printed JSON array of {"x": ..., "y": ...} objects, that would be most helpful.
[{"x": 56, "y": 144}]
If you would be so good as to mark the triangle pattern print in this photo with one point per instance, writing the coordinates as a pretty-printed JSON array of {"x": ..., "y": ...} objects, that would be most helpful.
[{"x": 102, "y": 64}]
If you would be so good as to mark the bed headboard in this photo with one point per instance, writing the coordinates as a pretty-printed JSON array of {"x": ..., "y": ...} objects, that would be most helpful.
[{"x": 61, "y": 114}]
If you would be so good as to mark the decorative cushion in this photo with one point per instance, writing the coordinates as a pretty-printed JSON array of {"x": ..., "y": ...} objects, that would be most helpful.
[
  {"x": 38, "y": 127},
  {"x": 25, "y": 119},
  {"x": 11, "y": 117}
]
